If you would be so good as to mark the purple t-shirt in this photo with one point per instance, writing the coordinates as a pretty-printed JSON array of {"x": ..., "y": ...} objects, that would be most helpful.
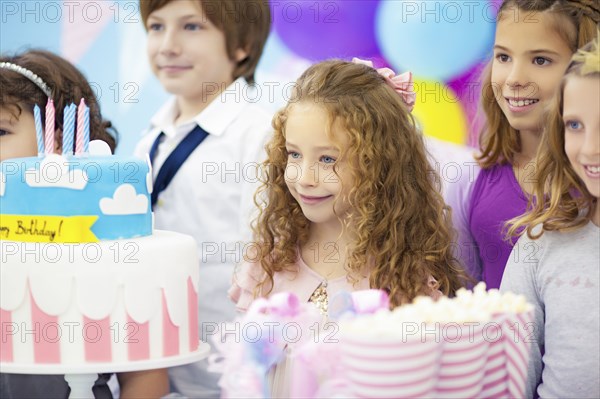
[{"x": 496, "y": 198}]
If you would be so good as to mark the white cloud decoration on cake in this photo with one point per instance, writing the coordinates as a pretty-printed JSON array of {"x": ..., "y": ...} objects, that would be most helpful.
[
  {"x": 125, "y": 201},
  {"x": 54, "y": 172},
  {"x": 2, "y": 184}
]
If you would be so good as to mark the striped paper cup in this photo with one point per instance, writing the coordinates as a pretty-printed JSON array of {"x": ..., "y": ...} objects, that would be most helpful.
[
  {"x": 517, "y": 332},
  {"x": 390, "y": 367},
  {"x": 495, "y": 372},
  {"x": 462, "y": 362},
  {"x": 510, "y": 336}
]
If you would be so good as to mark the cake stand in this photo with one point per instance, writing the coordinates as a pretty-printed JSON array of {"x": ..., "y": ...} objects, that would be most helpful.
[{"x": 81, "y": 378}]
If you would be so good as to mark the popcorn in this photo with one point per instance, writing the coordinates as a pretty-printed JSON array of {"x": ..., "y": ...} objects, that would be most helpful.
[
  {"x": 477, "y": 306},
  {"x": 492, "y": 301}
]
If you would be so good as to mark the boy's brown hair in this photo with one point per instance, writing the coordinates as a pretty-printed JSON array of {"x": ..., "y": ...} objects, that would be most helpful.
[{"x": 245, "y": 23}]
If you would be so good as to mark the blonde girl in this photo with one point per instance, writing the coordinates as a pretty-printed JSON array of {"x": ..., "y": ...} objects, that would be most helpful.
[{"x": 555, "y": 263}]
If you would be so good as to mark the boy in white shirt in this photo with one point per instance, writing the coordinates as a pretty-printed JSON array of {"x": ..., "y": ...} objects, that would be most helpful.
[{"x": 205, "y": 143}]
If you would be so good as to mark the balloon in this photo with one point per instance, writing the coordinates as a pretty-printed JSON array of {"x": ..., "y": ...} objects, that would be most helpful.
[
  {"x": 468, "y": 89},
  {"x": 495, "y": 6},
  {"x": 277, "y": 59},
  {"x": 439, "y": 113},
  {"x": 435, "y": 39},
  {"x": 321, "y": 29},
  {"x": 79, "y": 32}
]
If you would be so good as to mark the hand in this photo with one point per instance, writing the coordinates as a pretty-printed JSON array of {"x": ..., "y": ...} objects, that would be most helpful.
[{"x": 144, "y": 384}]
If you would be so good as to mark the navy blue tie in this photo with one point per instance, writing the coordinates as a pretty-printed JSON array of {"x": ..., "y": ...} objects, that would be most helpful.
[{"x": 174, "y": 160}]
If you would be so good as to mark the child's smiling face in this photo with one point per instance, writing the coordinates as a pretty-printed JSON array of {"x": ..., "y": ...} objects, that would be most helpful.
[
  {"x": 530, "y": 58},
  {"x": 312, "y": 154},
  {"x": 581, "y": 103},
  {"x": 187, "y": 52},
  {"x": 17, "y": 133}
]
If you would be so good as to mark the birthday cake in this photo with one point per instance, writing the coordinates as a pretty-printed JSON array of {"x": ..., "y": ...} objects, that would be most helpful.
[{"x": 83, "y": 277}]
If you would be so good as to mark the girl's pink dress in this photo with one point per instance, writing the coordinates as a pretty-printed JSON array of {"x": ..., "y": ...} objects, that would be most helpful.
[{"x": 304, "y": 283}]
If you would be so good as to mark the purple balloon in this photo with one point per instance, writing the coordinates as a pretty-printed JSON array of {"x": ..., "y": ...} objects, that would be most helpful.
[
  {"x": 496, "y": 5},
  {"x": 468, "y": 90},
  {"x": 321, "y": 29}
]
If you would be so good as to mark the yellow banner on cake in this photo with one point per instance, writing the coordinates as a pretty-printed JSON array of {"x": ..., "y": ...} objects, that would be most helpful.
[{"x": 42, "y": 228}]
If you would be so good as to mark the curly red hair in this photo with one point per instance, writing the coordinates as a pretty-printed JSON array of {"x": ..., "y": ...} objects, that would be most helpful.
[{"x": 398, "y": 217}]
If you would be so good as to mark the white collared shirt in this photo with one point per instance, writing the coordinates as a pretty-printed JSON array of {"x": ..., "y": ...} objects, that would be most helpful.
[
  {"x": 211, "y": 199},
  {"x": 211, "y": 195}
]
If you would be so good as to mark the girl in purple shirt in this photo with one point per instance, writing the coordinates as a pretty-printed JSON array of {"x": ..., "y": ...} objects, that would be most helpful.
[{"x": 534, "y": 42}]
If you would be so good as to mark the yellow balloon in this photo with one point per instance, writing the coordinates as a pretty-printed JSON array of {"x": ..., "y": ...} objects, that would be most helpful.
[{"x": 439, "y": 113}]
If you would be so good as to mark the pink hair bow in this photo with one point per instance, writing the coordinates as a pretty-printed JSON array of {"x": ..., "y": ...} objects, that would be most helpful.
[{"x": 402, "y": 84}]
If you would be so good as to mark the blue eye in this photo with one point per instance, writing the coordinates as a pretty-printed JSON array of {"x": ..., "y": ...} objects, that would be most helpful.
[
  {"x": 293, "y": 155},
  {"x": 573, "y": 125},
  {"x": 327, "y": 159},
  {"x": 3, "y": 132},
  {"x": 541, "y": 61}
]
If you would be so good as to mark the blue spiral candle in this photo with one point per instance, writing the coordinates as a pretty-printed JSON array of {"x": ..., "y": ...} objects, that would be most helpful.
[
  {"x": 39, "y": 131},
  {"x": 68, "y": 129}
]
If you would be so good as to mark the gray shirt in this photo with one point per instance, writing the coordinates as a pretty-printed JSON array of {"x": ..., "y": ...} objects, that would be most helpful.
[{"x": 559, "y": 274}]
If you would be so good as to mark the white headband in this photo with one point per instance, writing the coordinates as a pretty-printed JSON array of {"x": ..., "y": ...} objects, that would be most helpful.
[{"x": 29, "y": 75}]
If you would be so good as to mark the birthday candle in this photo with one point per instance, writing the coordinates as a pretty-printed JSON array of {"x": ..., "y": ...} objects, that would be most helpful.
[
  {"x": 49, "y": 139},
  {"x": 80, "y": 116},
  {"x": 39, "y": 132},
  {"x": 86, "y": 129},
  {"x": 68, "y": 121},
  {"x": 72, "y": 125}
]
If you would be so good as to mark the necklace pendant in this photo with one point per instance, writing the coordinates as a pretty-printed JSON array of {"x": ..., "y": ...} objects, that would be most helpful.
[{"x": 319, "y": 298}]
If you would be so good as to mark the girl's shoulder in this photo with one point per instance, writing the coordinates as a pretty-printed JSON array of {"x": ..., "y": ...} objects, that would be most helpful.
[
  {"x": 250, "y": 281},
  {"x": 245, "y": 284},
  {"x": 559, "y": 247},
  {"x": 587, "y": 232},
  {"x": 587, "y": 235}
]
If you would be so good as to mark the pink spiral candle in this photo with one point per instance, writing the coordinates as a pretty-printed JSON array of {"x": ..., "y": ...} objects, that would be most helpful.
[
  {"x": 80, "y": 127},
  {"x": 49, "y": 139}
]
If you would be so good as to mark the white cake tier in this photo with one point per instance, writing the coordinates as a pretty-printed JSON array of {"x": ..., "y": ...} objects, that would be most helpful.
[{"x": 111, "y": 301}]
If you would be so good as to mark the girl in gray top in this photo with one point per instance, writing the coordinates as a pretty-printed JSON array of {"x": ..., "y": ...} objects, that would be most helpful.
[{"x": 556, "y": 263}]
